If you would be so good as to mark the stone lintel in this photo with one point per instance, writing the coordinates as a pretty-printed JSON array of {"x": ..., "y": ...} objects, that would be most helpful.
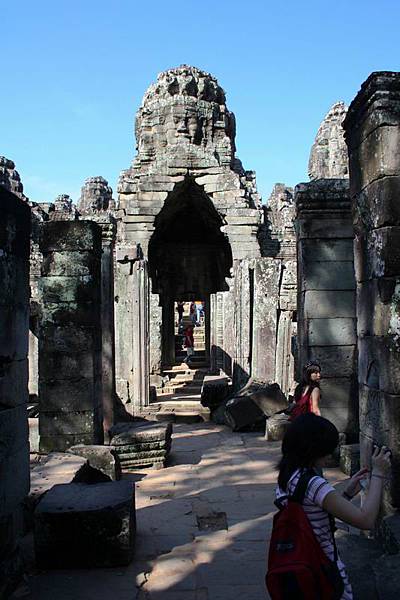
[{"x": 322, "y": 195}]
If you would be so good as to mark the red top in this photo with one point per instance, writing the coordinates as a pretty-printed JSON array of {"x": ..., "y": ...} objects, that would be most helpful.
[{"x": 303, "y": 405}]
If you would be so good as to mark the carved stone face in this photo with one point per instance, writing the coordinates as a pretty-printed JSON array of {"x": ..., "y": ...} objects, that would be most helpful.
[{"x": 185, "y": 109}]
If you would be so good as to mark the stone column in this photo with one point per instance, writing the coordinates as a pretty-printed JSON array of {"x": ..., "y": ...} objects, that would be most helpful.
[
  {"x": 168, "y": 331},
  {"x": 141, "y": 348},
  {"x": 326, "y": 295},
  {"x": 14, "y": 327},
  {"x": 241, "y": 324},
  {"x": 70, "y": 393},
  {"x": 266, "y": 302},
  {"x": 373, "y": 137}
]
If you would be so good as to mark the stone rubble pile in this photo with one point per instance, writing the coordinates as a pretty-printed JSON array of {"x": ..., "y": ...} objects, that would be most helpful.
[{"x": 141, "y": 444}]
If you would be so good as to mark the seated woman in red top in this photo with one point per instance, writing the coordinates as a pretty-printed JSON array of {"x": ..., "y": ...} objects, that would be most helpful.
[{"x": 307, "y": 394}]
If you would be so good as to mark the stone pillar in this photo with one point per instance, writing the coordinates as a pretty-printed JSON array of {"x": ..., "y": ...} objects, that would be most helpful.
[
  {"x": 373, "y": 136},
  {"x": 168, "y": 331},
  {"x": 284, "y": 372},
  {"x": 241, "y": 324},
  {"x": 141, "y": 349},
  {"x": 326, "y": 295},
  {"x": 266, "y": 302},
  {"x": 14, "y": 326},
  {"x": 70, "y": 393}
]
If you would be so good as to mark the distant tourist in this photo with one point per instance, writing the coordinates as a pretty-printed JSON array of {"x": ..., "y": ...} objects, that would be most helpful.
[
  {"x": 199, "y": 311},
  {"x": 303, "y": 560},
  {"x": 192, "y": 313},
  {"x": 307, "y": 394},
  {"x": 180, "y": 307},
  {"x": 188, "y": 344}
]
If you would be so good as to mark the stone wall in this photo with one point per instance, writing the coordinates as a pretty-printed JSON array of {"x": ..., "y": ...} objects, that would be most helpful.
[
  {"x": 96, "y": 204},
  {"x": 326, "y": 295},
  {"x": 70, "y": 335},
  {"x": 14, "y": 323},
  {"x": 373, "y": 137},
  {"x": 278, "y": 240}
]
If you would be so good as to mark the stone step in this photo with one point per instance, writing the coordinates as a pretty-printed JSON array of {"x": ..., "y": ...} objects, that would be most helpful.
[{"x": 182, "y": 411}]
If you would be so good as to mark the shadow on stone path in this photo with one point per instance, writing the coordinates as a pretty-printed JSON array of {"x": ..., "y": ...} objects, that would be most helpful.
[{"x": 216, "y": 478}]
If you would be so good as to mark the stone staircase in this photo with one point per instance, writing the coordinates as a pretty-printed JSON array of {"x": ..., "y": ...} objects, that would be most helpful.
[{"x": 179, "y": 399}]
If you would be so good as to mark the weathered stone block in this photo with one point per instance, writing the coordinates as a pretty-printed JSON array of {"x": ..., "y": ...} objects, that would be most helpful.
[
  {"x": 68, "y": 289},
  {"x": 67, "y": 423},
  {"x": 61, "y": 443},
  {"x": 59, "y": 395},
  {"x": 214, "y": 390},
  {"x": 85, "y": 314},
  {"x": 350, "y": 458},
  {"x": 69, "y": 264},
  {"x": 335, "y": 360},
  {"x": 325, "y": 228},
  {"x": 276, "y": 427},
  {"x": 242, "y": 412},
  {"x": 378, "y": 205},
  {"x": 376, "y": 157},
  {"x": 80, "y": 365},
  {"x": 102, "y": 458},
  {"x": 54, "y": 469},
  {"x": 61, "y": 236},
  {"x": 326, "y": 250},
  {"x": 332, "y": 332},
  {"x": 376, "y": 306},
  {"x": 328, "y": 276},
  {"x": 379, "y": 363},
  {"x": 328, "y": 304},
  {"x": 78, "y": 525},
  {"x": 70, "y": 338},
  {"x": 337, "y": 391},
  {"x": 128, "y": 433}
]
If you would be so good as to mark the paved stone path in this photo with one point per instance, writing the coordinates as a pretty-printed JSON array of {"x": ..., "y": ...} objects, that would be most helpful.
[{"x": 216, "y": 479}]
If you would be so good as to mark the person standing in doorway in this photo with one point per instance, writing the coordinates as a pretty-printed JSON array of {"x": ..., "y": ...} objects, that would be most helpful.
[{"x": 188, "y": 344}]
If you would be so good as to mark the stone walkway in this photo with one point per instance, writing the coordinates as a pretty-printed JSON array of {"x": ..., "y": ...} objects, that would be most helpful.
[{"x": 203, "y": 525}]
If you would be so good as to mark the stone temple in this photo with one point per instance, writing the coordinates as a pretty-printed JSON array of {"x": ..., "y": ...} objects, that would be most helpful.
[{"x": 91, "y": 361}]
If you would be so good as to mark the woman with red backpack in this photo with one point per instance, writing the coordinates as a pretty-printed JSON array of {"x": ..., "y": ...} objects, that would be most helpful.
[
  {"x": 303, "y": 561},
  {"x": 307, "y": 394}
]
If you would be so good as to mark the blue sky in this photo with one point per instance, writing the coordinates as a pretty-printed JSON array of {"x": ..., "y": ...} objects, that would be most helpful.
[{"x": 74, "y": 74}]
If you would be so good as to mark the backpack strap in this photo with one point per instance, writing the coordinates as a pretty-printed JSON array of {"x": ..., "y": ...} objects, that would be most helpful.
[
  {"x": 302, "y": 485},
  {"x": 298, "y": 496}
]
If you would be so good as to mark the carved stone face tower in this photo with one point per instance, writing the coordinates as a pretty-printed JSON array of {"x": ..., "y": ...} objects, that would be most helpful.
[{"x": 190, "y": 206}]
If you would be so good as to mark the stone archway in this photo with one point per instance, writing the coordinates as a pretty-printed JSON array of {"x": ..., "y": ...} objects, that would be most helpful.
[{"x": 189, "y": 256}]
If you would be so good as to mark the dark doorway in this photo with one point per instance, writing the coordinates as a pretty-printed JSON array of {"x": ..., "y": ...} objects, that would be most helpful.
[{"x": 189, "y": 258}]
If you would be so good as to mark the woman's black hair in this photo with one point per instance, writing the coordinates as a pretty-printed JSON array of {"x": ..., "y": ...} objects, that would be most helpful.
[
  {"x": 308, "y": 370},
  {"x": 308, "y": 438}
]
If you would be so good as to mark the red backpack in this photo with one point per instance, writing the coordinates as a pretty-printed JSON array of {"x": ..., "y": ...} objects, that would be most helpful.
[{"x": 298, "y": 568}]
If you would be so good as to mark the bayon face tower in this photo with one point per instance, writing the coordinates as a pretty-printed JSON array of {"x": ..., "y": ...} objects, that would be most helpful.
[{"x": 189, "y": 210}]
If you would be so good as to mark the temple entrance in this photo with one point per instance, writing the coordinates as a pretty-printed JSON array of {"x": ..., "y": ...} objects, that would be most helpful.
[{"x": 189, "y": 260}]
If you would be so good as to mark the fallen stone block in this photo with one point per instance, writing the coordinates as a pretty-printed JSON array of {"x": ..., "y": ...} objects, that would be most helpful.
[
  {"x": 214, "y": 390},
  {"x": 242, "y": 412},
  {"x": 276, "y": 427},
  {"x": 101, "y": 458},
  {"x": 350, "y": 458},
  {"x": 142, "y": 431},
  {"x": 141, "y": 444},
  {"x": 80, "y": 525},
  {"x": 56, "y": 468},
  {"x": 266, "y": 395}
]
